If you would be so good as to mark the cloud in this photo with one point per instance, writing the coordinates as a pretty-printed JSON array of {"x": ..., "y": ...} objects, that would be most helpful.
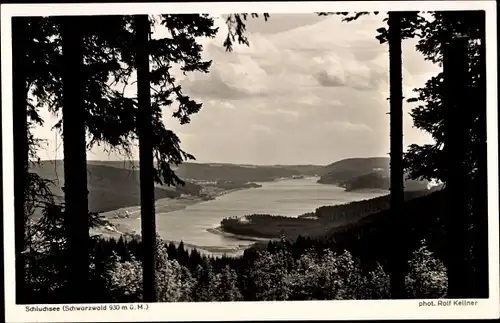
[
  {"x": 300, "y": 58},
  {"x": 327, "y": 80},
  {"x": 213, "y": 87}
]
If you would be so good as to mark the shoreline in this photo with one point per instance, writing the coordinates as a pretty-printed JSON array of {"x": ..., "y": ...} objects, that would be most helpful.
[
  {"x": 118, "y": 226},
  {"x": 167, "y": 205},
  {"x": 368, "y": 190},
  {"x": 218, "y": 230}
]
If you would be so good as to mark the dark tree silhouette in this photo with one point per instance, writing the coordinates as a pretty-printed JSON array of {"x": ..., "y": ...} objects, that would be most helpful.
[
  {"x": 144, "y": 129},
  {"x": 21, "y": 148},
  {"x": 401, "y": 25},
  {"x": 109, "y": 117},
  {"x": 429, "y": 161},
  {"x": 397, "y": 263},
  {"x": 456, "y": 98},
  {"x": 29, "y": 66},
  {"x": 75, "y": 162},
  {"x": 31, "y": 74},
  {"x": 38, "y": 40}
]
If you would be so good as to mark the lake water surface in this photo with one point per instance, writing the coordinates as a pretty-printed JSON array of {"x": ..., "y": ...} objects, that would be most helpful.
[{"x": 291, "y": 197}]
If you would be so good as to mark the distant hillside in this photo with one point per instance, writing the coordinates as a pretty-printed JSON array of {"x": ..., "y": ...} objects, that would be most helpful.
[
  {"x": 125, "y": 164},
  {"x": 306, "y": 170},
  {"x": 243, "y": 173},
  {"x": 228, "y": 172},
  {"x": 109, "y": 187},
  {"x": 378, "y": 180},
  {"x": 365, "y": 173},
  {"x": 350, "y": 168}
]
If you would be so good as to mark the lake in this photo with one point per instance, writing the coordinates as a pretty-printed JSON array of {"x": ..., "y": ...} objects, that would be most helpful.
[{"x": 290, "y": 197}]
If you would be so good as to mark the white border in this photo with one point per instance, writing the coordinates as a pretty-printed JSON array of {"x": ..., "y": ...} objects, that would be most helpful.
[{"x": 311, "y": 310}]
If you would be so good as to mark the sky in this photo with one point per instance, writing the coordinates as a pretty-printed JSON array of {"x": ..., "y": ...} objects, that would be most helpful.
[{"x": 308, "y": 90}]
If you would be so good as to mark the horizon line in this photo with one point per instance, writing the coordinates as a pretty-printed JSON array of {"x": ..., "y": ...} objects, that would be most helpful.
[{"x": 220, "y": 163}]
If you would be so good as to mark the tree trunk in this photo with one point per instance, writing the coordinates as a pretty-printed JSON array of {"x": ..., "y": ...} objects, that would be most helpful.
[
  {"x": 146, "y": 166},
  {"x": 457, "y": 127},
  {"x": 21, "y": 148},
  {"x": 75, "y": 162},
  {"x": 396, "y": 261}
]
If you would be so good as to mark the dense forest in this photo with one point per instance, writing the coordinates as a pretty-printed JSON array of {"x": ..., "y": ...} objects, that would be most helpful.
[
  {"x": 425, "y": 244},
  {"x": 377, "y": 180},
  {"x": 347, "y": 265}
]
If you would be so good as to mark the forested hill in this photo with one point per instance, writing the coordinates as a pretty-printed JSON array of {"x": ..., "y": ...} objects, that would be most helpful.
[
  {"x": 342, "y": 170},
  {"x": 370, "y": 238},
  {"x": 229, "y": 172},
  {"x": 109, "y": 188},
  {"x": 244, "y": 173},
  {"x": 365, "y": 173},
  {"x": 347, "y": 169},
  {"x": 377, "y": 180}
]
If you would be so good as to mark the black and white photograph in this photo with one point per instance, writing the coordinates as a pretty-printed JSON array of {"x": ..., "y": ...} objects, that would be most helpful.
[{"x": 246, "y": 161}]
